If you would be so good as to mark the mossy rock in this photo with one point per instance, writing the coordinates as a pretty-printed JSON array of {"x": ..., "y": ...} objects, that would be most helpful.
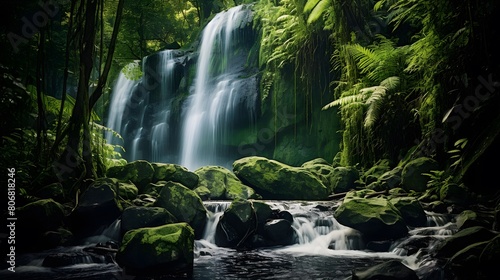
[
  {"x": 379, "y": 168},
  {"x": 156, "y": 251},
  {"x": 235, "y": 223},
  {"x": 462, "y": 239},
  {"x": 322, "y": 170},
  {"x": 175, "y": 173},
  {"x": 139, "y": 172},
  {"x": 376, "y": 218},
  {"x": 411, "y": 210},
  {"x": 184, "y": 204},
  {"x": 412, "y": 176},
  {"x": 127, "y": 191},
  {"x": 391, "y": 179},
  {"x": 454, "y": 194},
  {"x": 223, "y": 184},
  {"x": 140, "y": 217},
  {"x": 203, "y": 192},
  {"x": 344, "y": 179},
  {"x": 275, "y": 180},
  {"x": 40, "y": 216}
]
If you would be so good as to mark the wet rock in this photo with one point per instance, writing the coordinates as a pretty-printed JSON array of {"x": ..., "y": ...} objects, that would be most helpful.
[
  {"x": 344, "y": 179},
  {"x": 73, "y": 258},
  {"x": 184, "y": 204},
  {"x": 223, "y": 184},
  {"x": 140, "y": 217},
  {"x": 390, "y": 270},
  {"x": 279, "y": 232},
  {"x": 462, "y": 239},
  {"x": 175, "y": 173},
  {"x": 139, "y": 172},
  {"x": 236, "y": 225},
  {"x": 437, "y": 207},
  {"x": 158, "y": 251},
  {"x": 59, "y": 237},
  {"x": 412, "y": 176},
  {"x": 454, "y": 194},
  {"x": 275, "y": 180},
  {"x": 375, "y": 218},
  {"x": 411, "y": 211},
  {"x": 391, "y": 179},
  {"x": 98, "y": 207}
]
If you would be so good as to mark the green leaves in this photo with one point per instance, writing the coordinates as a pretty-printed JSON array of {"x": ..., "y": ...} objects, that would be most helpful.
[{"x": 315, "y": 9}]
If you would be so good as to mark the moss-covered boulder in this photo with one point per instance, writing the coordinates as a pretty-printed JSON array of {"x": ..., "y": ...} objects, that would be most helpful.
[
  {"x": 275, "y": 180},
  {"x": 375, "y": 218},
  {"x": 390, "y": 270},
  {"x": 174, "y": 173},
  {"x": 236, "y": 223},
  {"x": 411, "y": 210},
  {"x": 157, "y": 251},
  {"x": 127, "y": 191},
  {"x": 462, "y": 239},
  {"x": 223, "y": 184},
  {"x": 322, "y": 170},
  {"x": 390, "y": 179},
  {"x": 184, "y": 204},
  {"x": 412, "y": 176},
  {"x": 454, "y": 194},
  {"x": 34, "y": 220},
  {"x": 140, "y": 217},
  {"x": 344, "y": 179},
  {"x": 98, "y": 206},
  {"x": 371, "y": 175},
  {"x": 139, "y": 172},
  {"x": 203, "y": 192}
]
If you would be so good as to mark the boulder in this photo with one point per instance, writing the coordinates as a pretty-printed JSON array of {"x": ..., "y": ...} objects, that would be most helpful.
[
  {"x": 184, "y": 204},
  {"x": 375, "y": 218},
  {"x": 139, "y": 172},
  {"x": 127, "y": 191},
  {"x": 236, "y": 224},
  {"x": 390, "y": 270},
  {"x": 275, "y": 180},
  {"x": 140, "y": 217},
  {"x": 203, "y": 192},
  {"x": 223, "y": 184},
  {"x": 279, "y": 232},
  {"x": 97, "y": 207},
  {"x": 411, "y": 210},
  {"x": 391, "y": 179},
  {"x": 157, "y": 251},
  {"x": 322, "y": 170},
  {"x": 379, "y": 168},
  {"x": 175, "y": 173},
  {"x": 344, "y": 179},
  {"x": 54, "y": 191},
  {"x": 466, "y": 237},
  {"x": 412, "y": 176}
]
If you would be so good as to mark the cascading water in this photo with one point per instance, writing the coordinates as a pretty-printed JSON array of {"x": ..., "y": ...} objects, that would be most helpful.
[
  {"x": 194, "y": 124},
  {"x": 213, "y": 107}
]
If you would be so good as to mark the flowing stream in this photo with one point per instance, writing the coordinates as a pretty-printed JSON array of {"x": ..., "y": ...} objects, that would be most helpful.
[{"x": 323, "y": 249}]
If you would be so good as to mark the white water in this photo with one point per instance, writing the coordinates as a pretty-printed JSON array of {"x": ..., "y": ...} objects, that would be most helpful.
[{"x": 212, "y": 106}]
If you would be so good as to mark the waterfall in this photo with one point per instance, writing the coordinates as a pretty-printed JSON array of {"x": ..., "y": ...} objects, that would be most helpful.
[
  {"x": 172, "y": 116},
  {"x": 213, "y": 106}
]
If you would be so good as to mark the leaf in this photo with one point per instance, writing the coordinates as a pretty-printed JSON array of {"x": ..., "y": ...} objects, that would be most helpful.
[
  {"x": 309, "y": 6},
  {"x": 318, "y": 11}
]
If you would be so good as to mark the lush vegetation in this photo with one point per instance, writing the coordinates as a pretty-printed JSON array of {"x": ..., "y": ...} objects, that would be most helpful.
[{"x": 406, "y": 77}]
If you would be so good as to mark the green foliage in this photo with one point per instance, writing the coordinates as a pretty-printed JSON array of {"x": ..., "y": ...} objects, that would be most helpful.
[
  {"x": 315, "y": 9},
  {"x": 132, "y": 71}
]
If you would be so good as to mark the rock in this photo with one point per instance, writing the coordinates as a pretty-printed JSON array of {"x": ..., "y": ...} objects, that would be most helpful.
[
  {"x": 140, "y": 217},
  {"x": 127, "y": 191},
  {"x": 263, "y": 212},
  {"x": 203, "y": 192},
  {"x": 344, "y": 178},
  {"x": 236, "y": 224},
  {"x": 139, "y": 172},
  {"x": 437, "y": 207},
  {"x": 390, "y": 270},
  {"x": 156, "y": 251},
  {"x": 462, "y": 239},
  {"x": 223, "y": 184},
  {"x": 54, "y": 191},
  {"x": 375, "y": 218},
  {"x": 153, "y": 188},
  {"x": 322, "y": 170},
  {"x": 175, "y": 173},
  {"x": 34, "y": 220},
  {"x": 279, "y": 232},
  {"x": 60, "y": 237},
  {"x": 391, "y": 179},
  {"x": 411, "y": 210},
  {"x": 73, "y": 258},
  {"x": 412, "y": 176},
  {"x": 467, "y": 218},
  {"x": 454, "y": 194},
  {"x": 275, "y": 180},
  {"x": 184, "y": 204},
  {"x": 98, "y": 207},
  {"x": 379, "y": 168}
]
